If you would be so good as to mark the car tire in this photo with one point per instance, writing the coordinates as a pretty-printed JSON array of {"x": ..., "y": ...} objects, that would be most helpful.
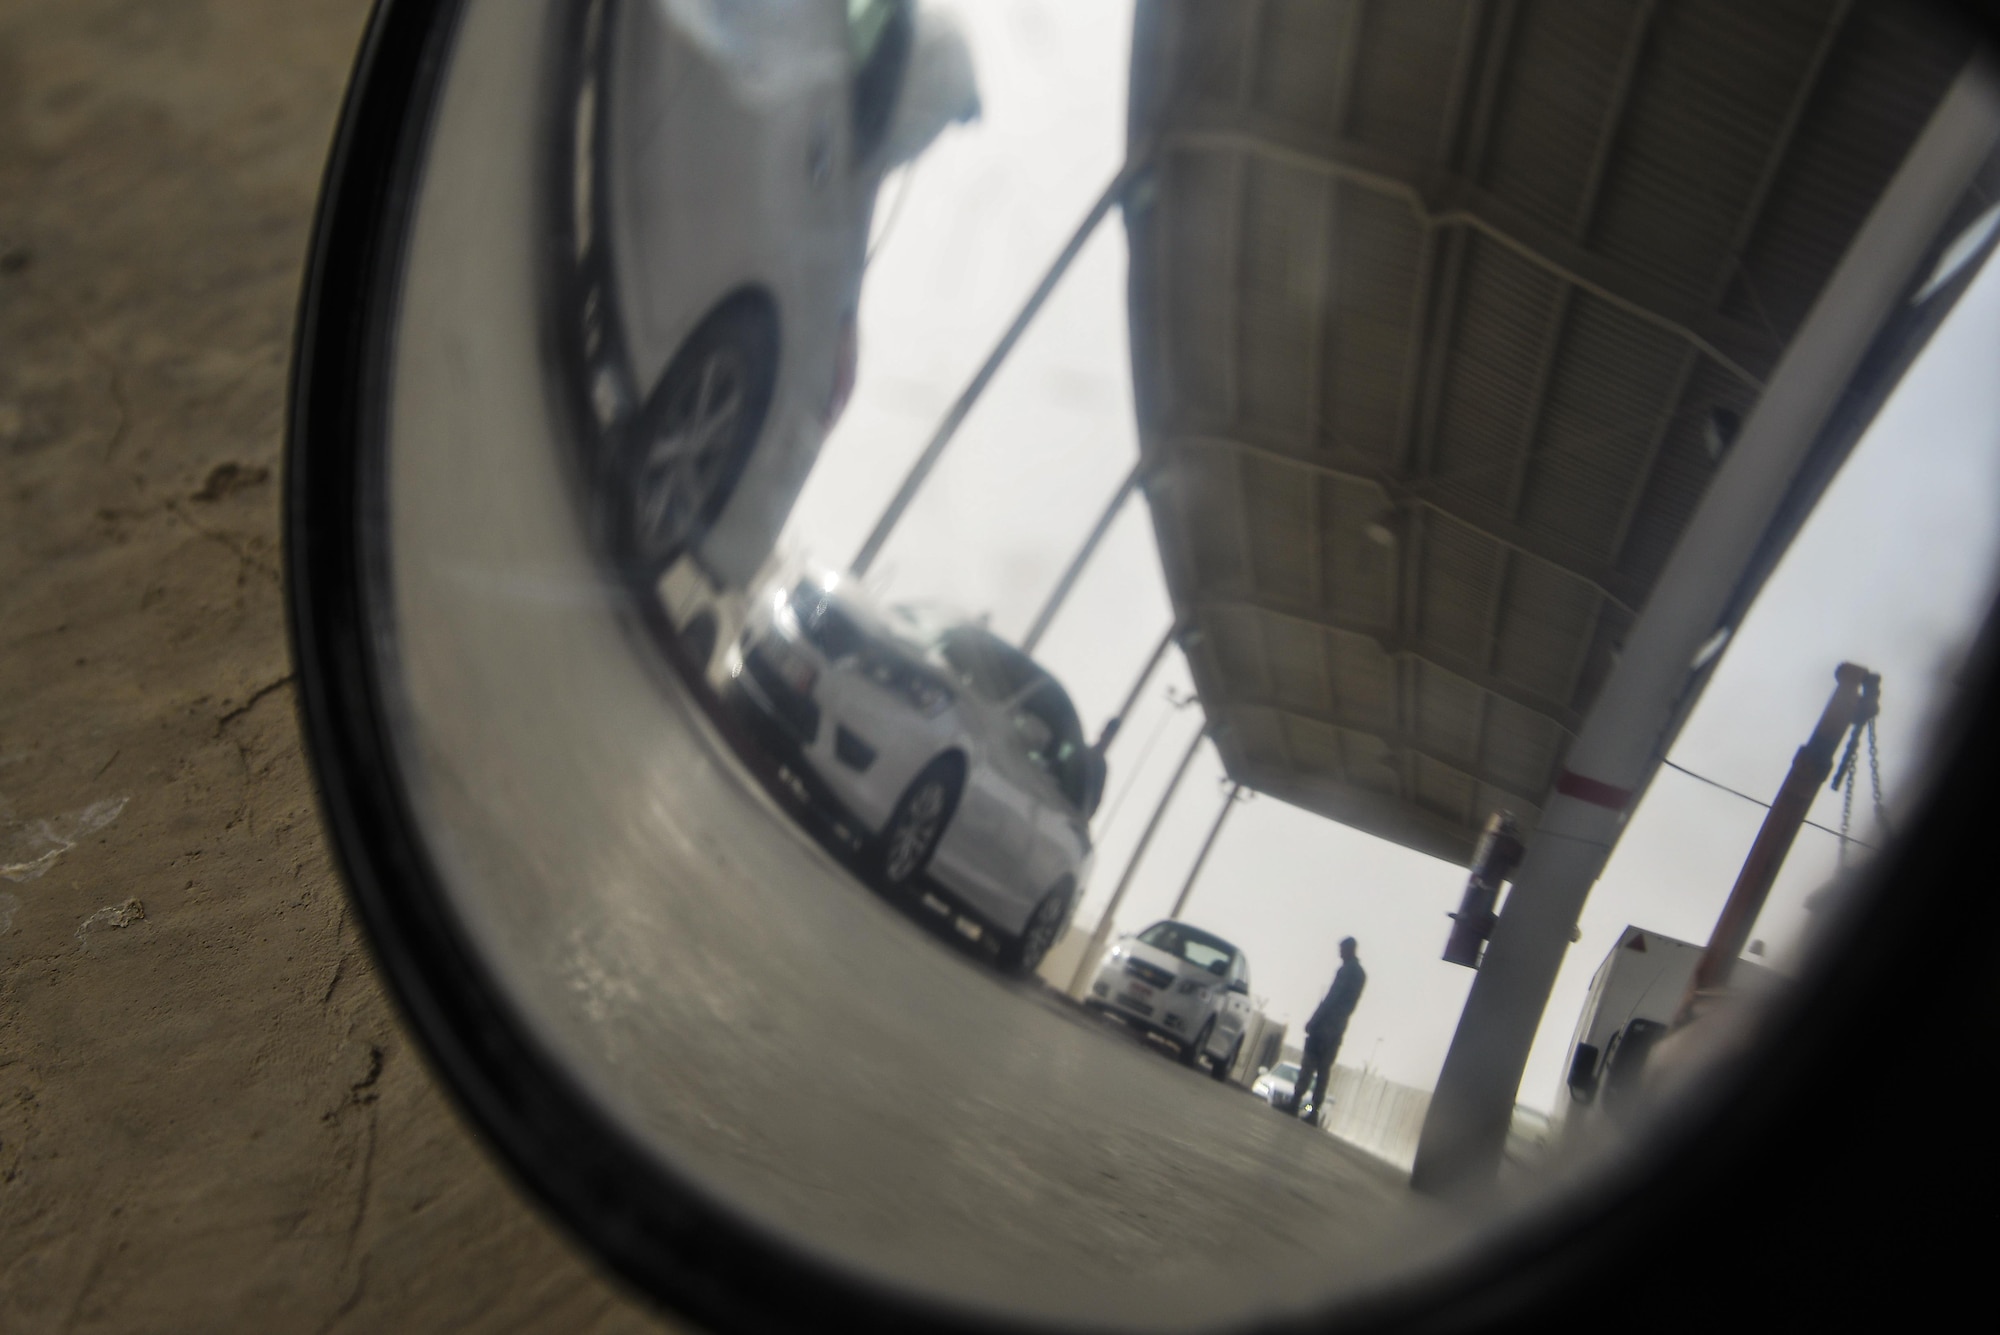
[
  {"x": 1218, "y": 1071},
  {"x": 1021, "y": 955},
  {"x": 1191, "y": 1054},
  {"x": 916, "y": 825},
  {"x": 677, "y": 462}
]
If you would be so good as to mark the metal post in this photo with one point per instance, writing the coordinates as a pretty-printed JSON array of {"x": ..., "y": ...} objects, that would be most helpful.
[
  {"x": 1187, "y": 887},
  {"x": 1060, "y": 593},
  {"x": 1655, "y": 679},
  {"x": 1852, "y": 704},
  {"x": 956, "y": 417},
  {"x": 1103, "y": 929},
  {"x": 1117, "y": 720}
]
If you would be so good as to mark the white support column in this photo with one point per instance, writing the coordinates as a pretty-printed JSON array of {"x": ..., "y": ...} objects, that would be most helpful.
[{"x": 1625, "y": 735}]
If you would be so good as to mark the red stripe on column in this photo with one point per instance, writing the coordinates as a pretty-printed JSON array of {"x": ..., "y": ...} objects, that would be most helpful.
[{"x": 1594, "y": 791}]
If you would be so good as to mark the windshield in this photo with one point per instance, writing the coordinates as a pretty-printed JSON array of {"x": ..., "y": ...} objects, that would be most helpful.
[
  {"x": 1191, "y": 944},
  {"x": 985, "y": 665},
  {"x": 1057, "y": 743},
  {"x": 1285, "y": 1071}
]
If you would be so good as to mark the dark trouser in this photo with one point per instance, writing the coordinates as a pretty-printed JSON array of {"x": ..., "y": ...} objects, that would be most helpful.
[{"x": 1316, "y": 1067}]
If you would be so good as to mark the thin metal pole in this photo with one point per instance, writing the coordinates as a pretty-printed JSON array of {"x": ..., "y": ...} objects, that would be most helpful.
[
  {"x": 1145, "y": 675},
  {"x": 1060, "y": 593},
  {"x": 1187, "y": 887},
  {"x": 1103, "y": 930},
  {"x": 953, "y": 419}
]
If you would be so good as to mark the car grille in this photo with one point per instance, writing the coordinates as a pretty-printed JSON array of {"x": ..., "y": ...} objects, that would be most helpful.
[
  {"x": 795, "y": 711},
  {"x": 1149, "y": 973}
]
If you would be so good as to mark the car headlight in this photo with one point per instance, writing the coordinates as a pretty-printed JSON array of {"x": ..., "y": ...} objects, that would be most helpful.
[
  {"x": 1192, "y": 988},
  {"x": 928, "y": 694}
]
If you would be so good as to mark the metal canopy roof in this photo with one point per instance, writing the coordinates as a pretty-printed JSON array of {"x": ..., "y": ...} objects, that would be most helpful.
[{"x": 1433, "y": 305}]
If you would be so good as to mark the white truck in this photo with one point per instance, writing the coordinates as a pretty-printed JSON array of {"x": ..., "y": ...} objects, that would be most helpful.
[{"x": 1630, "y": 1006}]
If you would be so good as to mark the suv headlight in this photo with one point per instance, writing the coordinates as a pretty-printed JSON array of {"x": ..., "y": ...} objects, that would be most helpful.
[{"x": 1192, "y": 988}]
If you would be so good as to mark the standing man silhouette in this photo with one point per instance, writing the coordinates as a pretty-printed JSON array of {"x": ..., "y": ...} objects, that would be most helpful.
[{"x": 1326, "y": 1028}]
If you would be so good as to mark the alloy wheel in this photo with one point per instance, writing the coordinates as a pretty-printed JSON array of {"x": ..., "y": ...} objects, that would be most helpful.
[{"x": 915, "y": 830}]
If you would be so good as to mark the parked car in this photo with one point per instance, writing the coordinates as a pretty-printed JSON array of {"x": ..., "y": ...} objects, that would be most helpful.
[
  {"x": 1183, "y": 984},
  {"x": 1274, "y": 1084},
  {"x": 956, "y": 759},
  {"x": 716, "y": 203}
]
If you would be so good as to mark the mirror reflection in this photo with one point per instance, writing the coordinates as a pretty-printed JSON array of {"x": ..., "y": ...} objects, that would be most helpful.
[{"x": 1156, "y": 663}]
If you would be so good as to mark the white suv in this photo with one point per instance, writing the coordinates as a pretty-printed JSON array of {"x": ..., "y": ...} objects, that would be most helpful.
[
  {"x": 950, "y": 754},
  {"x": 1188, "y": 986}
]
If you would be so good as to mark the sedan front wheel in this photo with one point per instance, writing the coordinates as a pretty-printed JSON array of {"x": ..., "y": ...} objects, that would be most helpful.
[
  {"x": 1023, "y": 954},
  {"x": 917, "y": 825}
]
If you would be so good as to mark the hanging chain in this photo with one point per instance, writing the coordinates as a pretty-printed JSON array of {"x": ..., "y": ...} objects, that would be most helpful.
[
  {"x": 1875, "y": 779},
  {"x": 1846, "y": 803}
]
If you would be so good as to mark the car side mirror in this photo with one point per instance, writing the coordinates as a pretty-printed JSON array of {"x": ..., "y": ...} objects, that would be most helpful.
[{"x": 1583, "y": 1073}]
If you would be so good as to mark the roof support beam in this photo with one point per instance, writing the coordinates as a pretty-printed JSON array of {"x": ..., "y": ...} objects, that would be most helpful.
[
  {"x": 1492, "y": 525},
  {"x": 1555, "y": 712},
  {"x": 1399, "y": 743},
  {"x": 1396, "y": 818},
  {"x": 1440, "y": 200}
]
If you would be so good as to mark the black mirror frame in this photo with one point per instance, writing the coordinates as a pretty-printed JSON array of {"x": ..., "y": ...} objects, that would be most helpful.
[{"x": 1924, "y": 921}]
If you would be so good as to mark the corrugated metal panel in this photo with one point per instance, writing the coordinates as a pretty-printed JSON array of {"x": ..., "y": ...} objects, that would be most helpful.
[
  {"x": 1448, "y": 710},
  {"x": 1460, "y": 579},
  {"x": 1545, "y": 624},
  {"x": 1563, "y": 60},
  {"x": 1376, "y": 245},
  {"x": 1282, "y": 540},
  {"x": 1358, "y": 575},
  {"x": 1296, "y": 51},
  {"x": 1298, "y": 664},
  {"x": 1713, "y": 91},
  {"x": 1281, "y": 268},
  {"x": 1198, "y": 200},
  {"x": 1614, "y": 378},
  {"x": 1401, "y": 90},
  {"x": 1364, "y": 680},
  {"x": 1325, "y": 361},
  {"x": 1505, "y": 307}
]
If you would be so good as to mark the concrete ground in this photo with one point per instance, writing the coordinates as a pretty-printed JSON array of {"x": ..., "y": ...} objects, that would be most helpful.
[{"x": 209, "y": 1116}]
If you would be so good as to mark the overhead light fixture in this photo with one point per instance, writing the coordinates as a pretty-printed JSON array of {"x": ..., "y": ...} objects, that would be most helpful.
[{"x": 1379, "y": 533}]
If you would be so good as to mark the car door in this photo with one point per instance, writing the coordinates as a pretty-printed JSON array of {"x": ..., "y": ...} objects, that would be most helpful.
[
  {"x": 1233, "y": 1017},
  {"x": 1026, "y": 870},
  {"x": 986, "y": 845}
]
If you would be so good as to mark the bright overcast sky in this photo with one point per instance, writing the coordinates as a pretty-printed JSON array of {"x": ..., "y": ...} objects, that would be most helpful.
[{"x": 1892, "y": 570}]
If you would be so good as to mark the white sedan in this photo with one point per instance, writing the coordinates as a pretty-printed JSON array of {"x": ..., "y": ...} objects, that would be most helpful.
[
  {"x": 715, "y": 191},
  {"x": 1275, "y": 1084},
  {"x": 952, "y": 754},
  {"x": 1180, "y": 983}
]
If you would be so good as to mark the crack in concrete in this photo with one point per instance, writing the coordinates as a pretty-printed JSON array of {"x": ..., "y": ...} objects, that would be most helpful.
[{"x": 256, "y": 697}]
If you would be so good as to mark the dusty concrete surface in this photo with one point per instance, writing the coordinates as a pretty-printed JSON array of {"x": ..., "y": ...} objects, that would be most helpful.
[{"x": 209, "y": 1118}]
